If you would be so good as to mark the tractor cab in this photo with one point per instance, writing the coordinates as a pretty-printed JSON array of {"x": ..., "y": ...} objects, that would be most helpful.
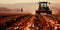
[{"x": 43, "y": 8}]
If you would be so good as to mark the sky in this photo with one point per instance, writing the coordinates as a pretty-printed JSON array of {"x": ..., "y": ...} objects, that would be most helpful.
[{"x": 27, "y": 1}]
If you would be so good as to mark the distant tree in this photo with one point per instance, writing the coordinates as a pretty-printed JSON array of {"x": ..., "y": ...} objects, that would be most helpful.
[{"x": 21, "y": 9}]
